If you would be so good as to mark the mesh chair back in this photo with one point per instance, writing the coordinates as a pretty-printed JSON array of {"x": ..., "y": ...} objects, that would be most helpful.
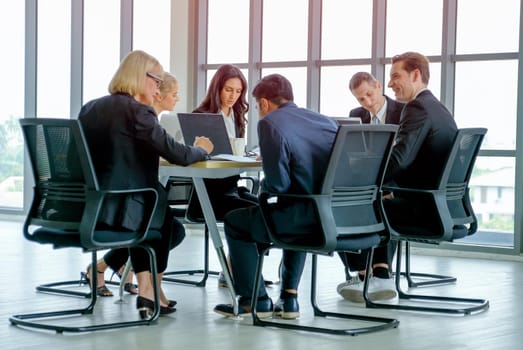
[
  {"x": 349, "y": 205},
  {"x": 355, "y": 174},
  {"x": 62, "y": 170},
  {"x": 456, "y": 176}
]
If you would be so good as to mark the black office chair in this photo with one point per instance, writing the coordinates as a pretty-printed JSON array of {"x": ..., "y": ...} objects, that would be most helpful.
[
  {"x": 453, "y": 219},
  {"x": 349, "y": 217},
  {"x": 65, "y": 208}
]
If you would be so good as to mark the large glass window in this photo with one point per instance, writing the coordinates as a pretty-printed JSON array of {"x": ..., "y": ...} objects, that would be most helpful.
[
  {"x": 285, "y": 30},
  {"x": 492, "y": 197},
  {"x": 12, "y": 107},
  {"x": 346, "y": 29},
  {"x": 54, "y": 59},
  {"x": 490, "y": 105},
  {"x": 101, "y": 46},
  {"x": 228, "y": 34},
  {"x": 487, "y": 26},
  {"x": 412, "y": 26},
  {"x": 152, "y": 29}
]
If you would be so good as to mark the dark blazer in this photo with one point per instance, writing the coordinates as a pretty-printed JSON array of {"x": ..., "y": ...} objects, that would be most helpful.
[
  {"x": 125, "y": 141},
  {"x": 295, "y": 145},
  {"x": 392, "y": 115},
  {"x": 425, "y": 136}
]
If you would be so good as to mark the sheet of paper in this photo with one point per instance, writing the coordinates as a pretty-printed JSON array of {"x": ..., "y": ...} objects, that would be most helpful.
[{"x": 233, "y": 158}]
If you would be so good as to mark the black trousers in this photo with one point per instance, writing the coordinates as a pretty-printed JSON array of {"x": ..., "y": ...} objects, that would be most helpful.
[
  {"x": 172, "y": 234},
  {"x": 400, "y": 211},
  {"x": 243, "y": 228}
]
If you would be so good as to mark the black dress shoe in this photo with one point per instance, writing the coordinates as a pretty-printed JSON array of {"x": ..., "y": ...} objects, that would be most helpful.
[{"x": 146, "y": 308}]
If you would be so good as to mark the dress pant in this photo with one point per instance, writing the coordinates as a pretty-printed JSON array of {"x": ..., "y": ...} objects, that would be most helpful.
[
  {"x": 243, "y": 228},
  {"x": 400, "y": 212},
  {"x": 172, "y": 234}
]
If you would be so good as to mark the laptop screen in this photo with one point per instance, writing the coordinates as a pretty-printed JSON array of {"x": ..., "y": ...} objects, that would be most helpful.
[
  {"x": 347, "y": 121},
  {"x": 169, "y": 121},
  {"x": 205, "y": 124}
]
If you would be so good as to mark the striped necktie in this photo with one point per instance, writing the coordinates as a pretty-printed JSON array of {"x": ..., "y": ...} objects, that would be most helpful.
[{"x": 375, "y": 119}]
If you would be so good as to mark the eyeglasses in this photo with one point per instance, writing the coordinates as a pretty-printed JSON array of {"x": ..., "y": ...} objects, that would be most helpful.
[{"x": 156, "y": 78}]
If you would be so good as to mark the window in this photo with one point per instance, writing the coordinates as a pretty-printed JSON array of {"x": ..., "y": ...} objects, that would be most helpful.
[
  {"x": 12, "y": 31},
  {"x": 487, "y": 26},
  {"x": 411, "y": 28},
  {"x": 346, "y": 29},
  {"x": 228, "y": 34},
  {"x": 152, "y": 29},
  {"x": 290, "y": 16},
  {"x": 101, "y": 46},
  {"x": 54, "y": 59}
]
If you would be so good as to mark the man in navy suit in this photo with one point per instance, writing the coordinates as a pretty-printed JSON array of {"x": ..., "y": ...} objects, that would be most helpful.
[
  {"x": 426, "y": 133},
  {"x": 295, "y": 145},
  {"x": 376, "y": 108}
]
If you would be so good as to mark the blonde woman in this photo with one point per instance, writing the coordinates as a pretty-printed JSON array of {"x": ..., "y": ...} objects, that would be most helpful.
[{"x": 126, "y": 142}]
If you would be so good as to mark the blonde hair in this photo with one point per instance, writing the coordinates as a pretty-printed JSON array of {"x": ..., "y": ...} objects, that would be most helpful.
[
  {"x": 168, "y": 83},
  {"x": 131, "y": 74}
]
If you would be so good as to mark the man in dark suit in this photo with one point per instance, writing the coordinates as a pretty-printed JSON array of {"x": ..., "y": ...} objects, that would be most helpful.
[
  {"x": 376, "y": 108},
  {"x": 425, "y": 136},
  {"x": 295, "y": 144}
]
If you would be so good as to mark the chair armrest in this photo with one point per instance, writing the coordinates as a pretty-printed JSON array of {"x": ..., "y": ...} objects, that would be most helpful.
[
  {"x": 321, "y": 239},
  {"x": 94, "y": 203}
]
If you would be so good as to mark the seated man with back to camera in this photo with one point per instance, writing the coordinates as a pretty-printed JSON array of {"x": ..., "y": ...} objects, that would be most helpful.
[
  {"x": 295, "y": 144},
  {"x": 426, "y": 133},
  {"x": 376, "y": 108}
]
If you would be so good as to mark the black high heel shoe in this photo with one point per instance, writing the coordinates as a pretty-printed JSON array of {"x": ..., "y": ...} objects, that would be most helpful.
[{"x": 146, "y": 307}]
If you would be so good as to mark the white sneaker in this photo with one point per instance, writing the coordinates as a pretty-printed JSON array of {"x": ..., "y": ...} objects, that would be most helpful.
[{"x": 379, "y": 289}]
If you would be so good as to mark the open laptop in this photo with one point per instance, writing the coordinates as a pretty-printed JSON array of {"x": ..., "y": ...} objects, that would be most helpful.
[
  {"x": 169, "y": 121},
  {"x": 347, "y": 120},
  {"x": 205, "y": 124},
  {"x": 184, "y": 127}
]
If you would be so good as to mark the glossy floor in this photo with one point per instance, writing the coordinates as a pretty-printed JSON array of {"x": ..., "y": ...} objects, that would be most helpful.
[{"x": 195, "y": 326}]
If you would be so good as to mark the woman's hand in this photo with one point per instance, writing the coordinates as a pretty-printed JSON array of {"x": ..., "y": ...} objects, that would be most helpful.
[{"x": 203, "y": 142}]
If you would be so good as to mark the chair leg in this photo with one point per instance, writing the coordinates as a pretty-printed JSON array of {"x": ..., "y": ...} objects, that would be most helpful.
[
  {"x": 448, "y": 305},
  {"x": 380, "y": 323},
  {"x": 205, "y": 271},
  {"x": 37, "y": 320},
  {"x": 422, "y": 279},
  {"x": 61, "y": 287}
]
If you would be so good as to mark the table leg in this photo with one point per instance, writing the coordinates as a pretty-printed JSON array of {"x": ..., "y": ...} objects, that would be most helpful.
[{"x": 210, "y": 220}]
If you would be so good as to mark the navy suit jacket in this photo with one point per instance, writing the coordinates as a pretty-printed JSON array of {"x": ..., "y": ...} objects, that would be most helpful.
[
  {"x": 295, "y": 145},
  {"x": 125, "y": 141},
  {"x": 392, "y": 115},
  {"x": 426, "y": 133}
]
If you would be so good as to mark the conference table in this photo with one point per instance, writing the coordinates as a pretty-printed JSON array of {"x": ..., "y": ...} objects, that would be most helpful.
[{"x": 211, "y": 169}]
